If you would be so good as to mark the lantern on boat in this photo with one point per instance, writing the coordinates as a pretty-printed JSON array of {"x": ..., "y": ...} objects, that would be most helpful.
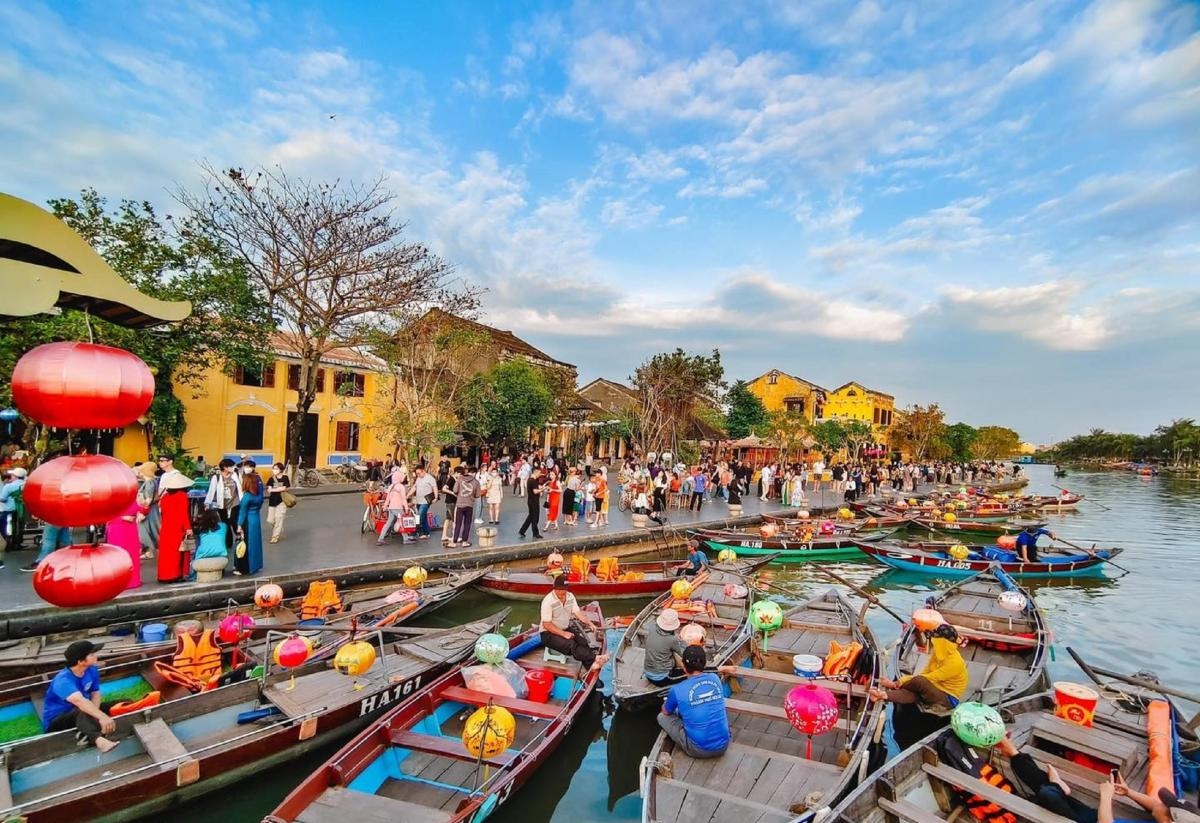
[
  {"x": 415, "y": 577},
  {"x": 268, "y": 596},
  {"x": 70, "y": 385},
  {"x": 1006, "y": 541},
  {"x": 766, "y": 616},
  {"x": 845, "y": 514},
  {"x": 292, "y": 652},
  {"x": 726, "y": 556},
  {"x": 959, "y": 552},
  {"x": 491, "y": 648},
  {"x": 735, "y": 591},
  {"x": 234, "y": 628},
  {"x": 811, "y": 709},
  {"x": 768, "y": 530},
  {"x": 927, "y": 504},
  {"x": 926, "y": 620},
  {"x": 871, "y": 522},
  {"x": 935, "y": 512},
  {"x": 80, "y": 490},
  {"x": 949, "y": 517},
  {"x": 355, "y": 659},
  {"x": 827, "y": 527},
  {"x": 803, "y": 514},
  {"x": 489, "y": 731},
  {"x": 1012, "y": 601},
  {"x": 681, "y": 589},
  {"x": 901, "y": 505},
  {"x": 83, "y": 575},
  {"x": 961, "y": 505},
  {"x": 977, "y": 724},
  {"x": 693, "y": 634}
]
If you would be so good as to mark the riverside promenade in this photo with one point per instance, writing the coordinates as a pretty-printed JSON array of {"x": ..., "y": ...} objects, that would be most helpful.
[{"x": 323, "y": 539}]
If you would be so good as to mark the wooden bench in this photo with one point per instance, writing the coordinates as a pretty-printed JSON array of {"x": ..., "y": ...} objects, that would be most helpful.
[
  {"x": 1006, "y": 800},
  {"x": 531, "y": 708},
  {"x": 1011, "y": 639},
  {"x": 160, "y": 742},
  {"x": 838, "y": 687},
  {"x": 445, "y": 747},
  {"x": 337, "y": 805},
  {"x": 758, "y": 709},
  {"x": 907, "y": 811}
]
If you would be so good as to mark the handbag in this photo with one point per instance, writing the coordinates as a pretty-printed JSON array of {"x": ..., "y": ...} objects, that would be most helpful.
[
  {"x": 188, "y": 545},
  {"x": 240, "y": 549},
  {"x": 408, "y": 524},
  {"x": 288, "y": 498}
]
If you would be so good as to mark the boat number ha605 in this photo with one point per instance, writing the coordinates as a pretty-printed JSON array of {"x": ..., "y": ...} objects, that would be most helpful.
[
  {"x": 389, "y": 696},
  {"x": 953, "y": 564}
]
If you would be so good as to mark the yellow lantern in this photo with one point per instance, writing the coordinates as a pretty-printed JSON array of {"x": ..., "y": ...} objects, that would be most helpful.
[
  {"x": 489, "y": 731},
  {"x": 415, "y": 577},
  {"x": 681, "y": 589},
  {"x": 949, "y": 517},
  {"x": 959, "y": 552},
  {"x": 845, "y": 514},
  {"x": 912, "y": 501},
  {"x": 354, "y": 658},
  {"x": 726, "y": 556}
]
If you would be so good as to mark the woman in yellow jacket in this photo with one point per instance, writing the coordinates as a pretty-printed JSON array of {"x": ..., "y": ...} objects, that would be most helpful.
[{"x": 944, "y": 677}]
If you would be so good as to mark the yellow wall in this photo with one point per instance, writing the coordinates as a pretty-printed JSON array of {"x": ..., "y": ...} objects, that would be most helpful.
[
  {"x": 856, "y": 402},
  {"x": 773, "y": 395}
]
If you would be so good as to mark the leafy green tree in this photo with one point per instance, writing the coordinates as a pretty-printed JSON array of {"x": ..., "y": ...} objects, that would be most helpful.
[
  {"x": 746, "y": 414},
  {"x": 671, "y": 388},
  {"x": 171, "y": 260},
  {"x": 958, "y": 440},
  {"x": 506, "y": 402},
  {"x": 1179, "y": 439},
  {"x": 787, "y": 431},
  {"x": 993, "y": 442},
  {"x": 857, "y": 433},
  {"x": 830, "y": 435},
  {"x": 919, "y": 428}
]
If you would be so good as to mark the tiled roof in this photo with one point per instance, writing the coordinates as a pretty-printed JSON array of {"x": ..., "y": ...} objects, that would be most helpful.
[
  {"x": 502, "y": 338},
  {"x": 792, "y": 376},
  {"x": 285, "y": 344},
  {"x": 864, "y": 388}
]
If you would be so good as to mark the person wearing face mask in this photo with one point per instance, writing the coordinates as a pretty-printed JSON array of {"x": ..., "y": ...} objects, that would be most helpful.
[
  {"x": 249, "y": 523},
  {"x": 224, "y": 492},
  {"x": 276, "y": 510}
]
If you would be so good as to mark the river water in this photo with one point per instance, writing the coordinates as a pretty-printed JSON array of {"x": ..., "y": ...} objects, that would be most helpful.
[{"x": 1143, "y": 620}]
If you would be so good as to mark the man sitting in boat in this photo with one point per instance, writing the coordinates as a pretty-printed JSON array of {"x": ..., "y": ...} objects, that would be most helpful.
[
  {"x": 73, "y": 698},
  {"x": 940, "y": 684},
  {"x": 1027, "y": 543},
  {"x": 562, "y": 626},
  {"x": 694, "y": 712},
  {"x": 695, "y": 562},
  {"x": 663, "y": 648}
]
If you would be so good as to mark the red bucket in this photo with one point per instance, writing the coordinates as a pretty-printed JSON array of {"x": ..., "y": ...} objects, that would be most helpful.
[
  {"x": 540, "y": 683},
  {"x": 1075, "y": 703}
]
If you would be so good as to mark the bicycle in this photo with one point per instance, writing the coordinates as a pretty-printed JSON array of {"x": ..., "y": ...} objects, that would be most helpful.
[
  {"x": 309, "y": 477},
  {"x": 628, "y": 496},
  {"x": 373, "y": 514}
]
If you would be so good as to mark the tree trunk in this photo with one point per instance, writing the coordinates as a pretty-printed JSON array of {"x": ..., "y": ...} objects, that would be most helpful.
[{"x": 305, "y": 397}]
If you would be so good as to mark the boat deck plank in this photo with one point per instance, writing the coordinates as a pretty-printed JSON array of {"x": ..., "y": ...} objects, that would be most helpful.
[
  {"x": 337, "y": 805},
  {"x": 332, "y": 689}
]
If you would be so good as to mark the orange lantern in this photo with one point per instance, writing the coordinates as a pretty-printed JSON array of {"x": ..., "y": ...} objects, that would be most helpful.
[
  {"x": 927, "y": 619},
  {"x": 268, "y": 596}
]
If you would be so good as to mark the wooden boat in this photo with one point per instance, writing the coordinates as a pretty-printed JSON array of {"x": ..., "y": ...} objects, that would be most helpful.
[
  {"x": 974, "y": 527},
  {"x": 638, "y": 579},
  {"x": 1058, "y": 502},
  {"x": 182, "y": 749},
  {"x": 44, "y": 653},
  {"x": 918, "y": 787},
  {"x": 722, "y": 614},
  {"x": 1060, "y": 472},
  {"x": 412, "y": 766},
  {"x": 1004, "y": 486},
  {"x": 789, "y": 547},
  {"x": 934, "y": 559},
  {"x": 765, "y": 775},
  {"x": 880, "y": 520}
]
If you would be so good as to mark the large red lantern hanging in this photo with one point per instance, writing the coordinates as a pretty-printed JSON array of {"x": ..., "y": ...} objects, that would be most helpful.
[
  {"x": 80, "y": 491},
  {"x": 83, "y": 575},
  {"x": 82, "y": 386}
]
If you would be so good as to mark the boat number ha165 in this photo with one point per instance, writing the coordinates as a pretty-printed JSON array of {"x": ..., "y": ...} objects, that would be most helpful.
[{"x": 389, "y": 696}]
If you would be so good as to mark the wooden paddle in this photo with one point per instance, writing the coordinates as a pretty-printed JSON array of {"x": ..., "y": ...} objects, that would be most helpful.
[
  {"x": 1091, "y": 553},
  {"x": 1083, "y": 497},
  {"x": 1094, "y": 672},
  {"x": 860, "y": 591}
]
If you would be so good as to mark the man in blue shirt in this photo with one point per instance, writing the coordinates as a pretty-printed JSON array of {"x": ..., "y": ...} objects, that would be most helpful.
[
  {"x": 696, "y": 560},
  {"x": 1027, "y": 543},
  {"x": 694, "y": 712},
  {"x": 73, "y": 698}
]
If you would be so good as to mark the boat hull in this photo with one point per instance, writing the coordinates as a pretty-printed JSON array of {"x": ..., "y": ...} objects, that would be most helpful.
[
  {"x": 915, "y": 560},
  {"x": 788, "y": 550}
]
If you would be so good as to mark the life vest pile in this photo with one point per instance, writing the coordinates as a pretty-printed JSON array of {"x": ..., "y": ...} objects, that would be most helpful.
[
  {"x": 608, "y": 569},
  {"x": 959, "y": 755},
  {"x": 322, "y": 598},
  {"x": 581, "y": 568},
  {"x": 196, "y": 664},
  {"x": 841, "y": 659}
]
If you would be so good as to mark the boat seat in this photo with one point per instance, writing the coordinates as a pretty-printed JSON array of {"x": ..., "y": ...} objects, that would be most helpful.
[
  {"x": 759, "y": 709},
  {"x": 551, "y": 656},
  {"x": 908, "y": 812},
  {"x": 531, "y": 708},
  {"x": 1023, "y": 808},
  {"x": 445, "y": 747},
  {"x": 160, "y": 742}
]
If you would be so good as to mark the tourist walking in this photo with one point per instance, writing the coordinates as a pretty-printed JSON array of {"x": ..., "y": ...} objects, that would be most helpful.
[
  {"x": 277, "y": 484},
  {"x": 12, "y": 509},
  {"x": 765, "y": 482},
  {"x": 176, "y": 523},
  {"x": 554, "y": 497},
  {"x": 587, "y": 505},
  {"x": 149, "y": 516},
  {"x": 396, "y": 504},
  {"x": 466, "y": 489},
  {"x": 602, "y": 496},
  {"x": 250, "y": 522},
  {"x": 533, "y": 496},
  {"x": 495, "y": 494},
  {"x": 699, "y": 486},
  {"x": 571, "y": 497},
  {"x": 424, "y": 493}
]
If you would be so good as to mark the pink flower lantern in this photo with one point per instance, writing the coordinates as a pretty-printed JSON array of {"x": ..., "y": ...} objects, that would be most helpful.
[
  {"x": 811, "y": 710},
  {"x": 234, "y": 628}
]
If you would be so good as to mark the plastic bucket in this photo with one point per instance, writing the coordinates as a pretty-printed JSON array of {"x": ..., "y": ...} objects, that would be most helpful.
[
  {"x": 310, "y": 627},
  {"x": 154, "y": 632},
  {"x": 807, "y": 665},
  {"x": 540, "y": 683},
  {"x": 1075, "y": 702}
]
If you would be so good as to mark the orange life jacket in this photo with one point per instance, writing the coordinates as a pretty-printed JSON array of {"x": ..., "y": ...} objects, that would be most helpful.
[
  {"x": 581, "y": 567},
  {"x": 986, "y": 810},
  {"x": 841, "y": 659},
  {"x": 607, "y": 569},
  {"x": 321, "y": 599},
  {"x": 196, "y": 664}
]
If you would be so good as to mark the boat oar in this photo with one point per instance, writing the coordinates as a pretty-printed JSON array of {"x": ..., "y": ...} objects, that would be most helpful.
[
  {"x": 1092, "y": 553},
  {"x": 843, "y": 757},
  {"x": 1094, "y": 672},
  {"x": 1083, "y": 497},
  {"x": 875, "y": 601}
]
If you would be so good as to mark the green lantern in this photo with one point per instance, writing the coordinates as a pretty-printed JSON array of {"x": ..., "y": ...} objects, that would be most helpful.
[
  {"x": 491, "y": 648},
  {"x": 766, "y": 616},
  {"x": 977, "y": 725}
]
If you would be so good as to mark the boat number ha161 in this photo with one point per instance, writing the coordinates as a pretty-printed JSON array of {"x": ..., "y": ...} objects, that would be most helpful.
[{"x": 389, "y": 696}]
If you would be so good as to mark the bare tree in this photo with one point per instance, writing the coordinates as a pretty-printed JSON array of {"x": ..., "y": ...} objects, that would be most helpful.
[
  {"x": 671, "y": 389},
  {"x": 330, "y": 260}
]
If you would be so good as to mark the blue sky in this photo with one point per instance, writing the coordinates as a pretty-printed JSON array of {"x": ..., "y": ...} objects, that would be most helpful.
[{"x": 993, "y": 206}]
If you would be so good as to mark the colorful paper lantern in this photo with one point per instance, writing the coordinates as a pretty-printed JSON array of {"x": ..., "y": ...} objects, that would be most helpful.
[
  {"x": 927, "y": 620},
  {"x": 489, "y": 731},
  {"x": 80, "y": 490},
  {"x": 767, "y": 530},
  {"x": 811, "y": 710},
  {"x": 959, "y": 552},
  {"x": 766, "y": 616},
  {"x": 693, "y": 634},
  {"x": 82, "y": 386},
  {"x": 354, "y": 658},
  {"x": 949, "y": 517},
  {"x": 977, "y": 724},
  {"x": 802, "y": 514},
  {"x": 827, "y": 527},
  {"x": 234, "y": 628},
  {"x": 681, "y": 589},
  {"x": 415, "y": 576},
  {"x": 293, "y": 651},
  {"x": 1012, "y": 601},
  {"x": 491, "y": 648},
  {"x": 84, "y": 575},
  {"x": 268, "y": 596},
  {"x": 845, "y": 514},
  {"x": 726, "y": 556}
]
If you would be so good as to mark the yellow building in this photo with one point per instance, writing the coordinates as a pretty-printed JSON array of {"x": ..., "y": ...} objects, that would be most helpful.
[
  {"x": 247, "y": 413},
  {"x": 780, "y": 391},
  {"x": 854, "y": 401}
]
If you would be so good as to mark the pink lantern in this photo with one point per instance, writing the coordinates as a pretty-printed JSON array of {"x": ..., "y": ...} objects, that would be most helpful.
[
  {"x": 811, "y": 709},
  {"x": 80, "y": 491},
  {"x": 82, "y": 386},
  {"x": 84, "y": 575},
  {"x": 293, "y": 651},
  {"x": 235, "y": 628}
]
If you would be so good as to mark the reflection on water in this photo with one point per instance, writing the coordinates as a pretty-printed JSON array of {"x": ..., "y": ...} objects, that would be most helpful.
[{"x": 1144, "y": 620}]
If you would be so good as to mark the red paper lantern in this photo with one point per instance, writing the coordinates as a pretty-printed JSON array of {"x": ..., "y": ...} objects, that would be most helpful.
[
  {"x": 234, "y": 628},
  {"x": 293, "y": 651},
  {"x": 80, "y": 491},
  {"x": 82, "y": 386},
  {"x": 83, "y": 575}
]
